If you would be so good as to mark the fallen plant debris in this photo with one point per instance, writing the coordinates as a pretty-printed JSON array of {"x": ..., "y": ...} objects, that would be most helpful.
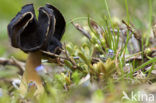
[{"x": 14, "y": 62}]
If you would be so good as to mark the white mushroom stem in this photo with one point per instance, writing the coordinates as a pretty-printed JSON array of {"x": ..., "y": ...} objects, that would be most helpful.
[{"x": 30, "y": 75}]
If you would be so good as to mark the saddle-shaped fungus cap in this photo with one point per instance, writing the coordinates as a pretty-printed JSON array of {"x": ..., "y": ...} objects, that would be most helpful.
[
  {"x": 34, "y": 36},
  {"x": 30, "y": 34}
]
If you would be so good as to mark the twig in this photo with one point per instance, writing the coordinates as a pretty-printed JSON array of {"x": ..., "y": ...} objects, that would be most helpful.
[
  {"x": 137, "y": 56},
  {"x": 137, "y": 36},
  {"x": 14, "y": 62},
  {"x": 116, "y": 59},
  {"x": 82, "y": 30},
  {"x": 68, "y": 57},
  {"x": 54, "y": 55}
]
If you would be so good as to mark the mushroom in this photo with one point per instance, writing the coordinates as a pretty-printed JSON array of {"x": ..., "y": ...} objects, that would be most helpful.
[{"x": 34, "y": 36}]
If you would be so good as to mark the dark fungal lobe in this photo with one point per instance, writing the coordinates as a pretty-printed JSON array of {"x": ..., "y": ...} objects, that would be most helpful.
[{"x": 30, "y": 34}]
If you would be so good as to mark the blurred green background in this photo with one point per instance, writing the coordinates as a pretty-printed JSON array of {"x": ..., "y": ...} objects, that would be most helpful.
[{"x": 140, "y": 12}]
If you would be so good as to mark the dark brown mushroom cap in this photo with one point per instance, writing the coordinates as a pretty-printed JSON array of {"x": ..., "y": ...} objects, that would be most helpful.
[
  {"x": 60, "y": 22},
  {"x": 30, "y": 34},
  {"x": 19, "y": 21}
]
